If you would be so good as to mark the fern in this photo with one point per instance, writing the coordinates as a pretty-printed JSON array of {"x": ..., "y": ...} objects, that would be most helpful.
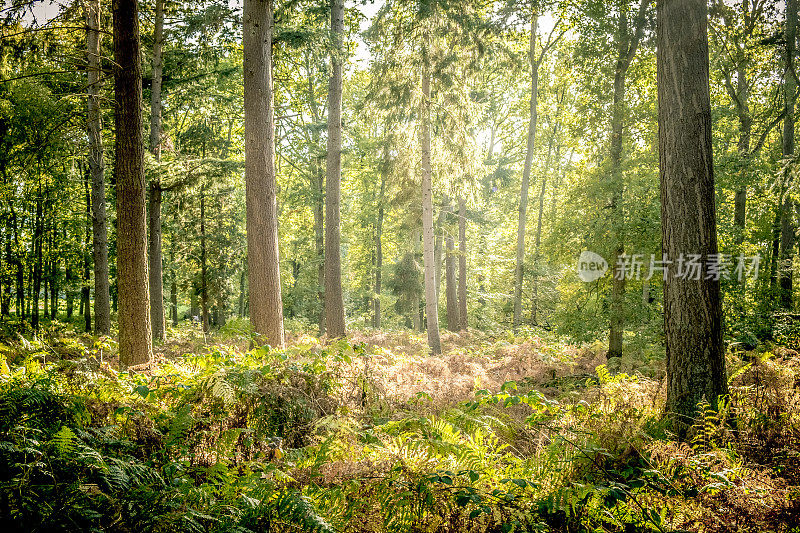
[{"x": 64, "y": 441}]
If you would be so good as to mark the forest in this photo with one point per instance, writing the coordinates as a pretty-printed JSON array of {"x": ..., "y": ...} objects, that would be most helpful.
[{"x": 399, "y": 266}]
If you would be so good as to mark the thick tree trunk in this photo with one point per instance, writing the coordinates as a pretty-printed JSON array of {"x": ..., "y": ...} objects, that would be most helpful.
[
  {"x": 266, "y": 306},
  {"x": 431, "y": 302},
  {"x": 788, "y": 225},
  {"x": 154, "y": 254},
  {"x": 462, "y": 265},
  {"x": 334, "y": 302},
  {"x": 135, "y": 334},
  {"x": 526, "y": 174},
  {"x": 102, "y": 305},
  {"x": 692, "y": 307}
]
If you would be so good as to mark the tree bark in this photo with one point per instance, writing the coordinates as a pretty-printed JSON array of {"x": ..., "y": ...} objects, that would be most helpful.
[
  {"x": 334, "y": 302},
  {"x": 102, "y": 305},
  {"x": 431, "y": 302},
  {"x": 526, "y": 174},
  {"x": 266, "y": 307},
  {"x": 135, "y": 337},
  {"x": 788, "y": 225},
  {"x": 462, "y": 265},
  {"x": 692, "y": 308}
]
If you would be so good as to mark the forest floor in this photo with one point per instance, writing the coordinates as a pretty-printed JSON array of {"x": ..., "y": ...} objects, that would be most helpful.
[{"x": 499, "y": 433}]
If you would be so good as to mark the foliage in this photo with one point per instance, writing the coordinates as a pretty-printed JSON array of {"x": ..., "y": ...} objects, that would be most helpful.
[{"x": 225, "y": 440}]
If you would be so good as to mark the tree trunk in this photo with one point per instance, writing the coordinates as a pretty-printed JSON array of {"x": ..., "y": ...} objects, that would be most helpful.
[
  {"x": 155, "y": 272},
  {"x": 102, "y": 306},
  {"x": 54, "y": 270},
  {"x": 451, "y": 288},
  {"x": 437, "y": 246},
  {"x": 462, "y": 265},
  {"x": 526, "y": 174},
  {"x": 745, "y": 127},
  {"x": 431, "y": 302},
  {"x": 627, "y": 45},
  {"x": 19, "y": 282},
  {"x": 173, "y": 300},
  {"x": 788, "y": 226},
  {"x": 242, "y": 290},
  {"x": 538, "y": 242},
  {"x": 37, "y": 259},
  {"x": 266, "y": 307},
  {"x": 319, "y": 236},
  {"x": 692, "y": 308},
  {"x": 318, "y": 189},
  {"x": 135, "y": 334},
  {"x": 155, "y": 88},
  {"x": 70, "y": 293},
  {"x": 203, "y": 264},
  {"x": 376, "y": 301},
  {"x": 334, "y": 303},
  {"x": 86, "y": 309}
]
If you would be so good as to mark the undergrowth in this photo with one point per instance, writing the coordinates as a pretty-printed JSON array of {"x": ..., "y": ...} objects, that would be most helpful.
[{"x": 306, "y": 439}]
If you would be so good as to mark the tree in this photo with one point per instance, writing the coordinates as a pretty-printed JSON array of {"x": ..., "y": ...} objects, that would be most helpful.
[
  {"x": 453, "y": 320},
  {"x": 102, "y": 305},
  {"x": 431, "y": 298},
  {"x": 462, "y": 264},
  {"x": 334, "y": 303},
  {"x": 134, "y": 301},
  {"x": 627, "y": 43},
  {"x": 384, "y": 171},
  {"x": 787, "y": 207},
  {"x": 535, "y": 60},
  {"x": 692, "y": 307},
  {"x": 156, "y": 282},
  {"x": 266, "y": 306}
]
